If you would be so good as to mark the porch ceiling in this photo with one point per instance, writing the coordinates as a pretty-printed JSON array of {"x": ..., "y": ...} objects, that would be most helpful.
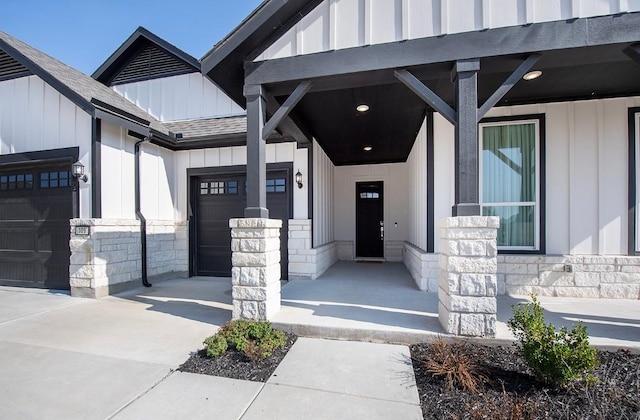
[{"x": 395, "y": 115}]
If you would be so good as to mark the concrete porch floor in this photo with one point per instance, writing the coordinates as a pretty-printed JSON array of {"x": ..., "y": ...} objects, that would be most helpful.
[{"x": 380, "y": 302}]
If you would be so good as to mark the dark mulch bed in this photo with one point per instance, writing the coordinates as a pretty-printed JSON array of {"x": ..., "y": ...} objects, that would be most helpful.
[
  {"x": 513, "y": 393},
  {"x": 234, "y": 364}
]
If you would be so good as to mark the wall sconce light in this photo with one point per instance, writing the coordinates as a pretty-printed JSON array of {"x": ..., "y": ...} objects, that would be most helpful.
[
  {"x": 299, "y": 179},
  {"x": 77, "y": 169}
]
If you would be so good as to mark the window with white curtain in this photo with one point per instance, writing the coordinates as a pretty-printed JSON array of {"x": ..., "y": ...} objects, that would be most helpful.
[{"x": 510, "y": 181}]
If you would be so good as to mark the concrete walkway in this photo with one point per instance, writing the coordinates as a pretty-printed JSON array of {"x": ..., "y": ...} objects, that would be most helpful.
[{"x": 72, "y": 358}]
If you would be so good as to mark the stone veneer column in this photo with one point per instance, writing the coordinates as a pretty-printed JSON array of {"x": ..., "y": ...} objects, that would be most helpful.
[
  {"x": 468, "y": 282},
  {"x": 255, "y": 244}
]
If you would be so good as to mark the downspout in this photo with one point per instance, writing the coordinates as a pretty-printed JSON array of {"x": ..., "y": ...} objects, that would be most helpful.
[{"x": 139, "y": 215}]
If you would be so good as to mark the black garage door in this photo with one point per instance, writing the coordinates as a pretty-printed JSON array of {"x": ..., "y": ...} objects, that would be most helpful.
[
  {"x": 35, "y": 208},
  {"x": 219, "y": 198}
]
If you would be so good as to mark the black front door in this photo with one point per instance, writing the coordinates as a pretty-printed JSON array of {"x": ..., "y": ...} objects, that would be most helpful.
[{"x": 369, "y": 220}]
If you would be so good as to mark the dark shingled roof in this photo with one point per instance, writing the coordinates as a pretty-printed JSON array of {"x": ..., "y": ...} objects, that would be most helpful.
[
  {"x": 208, "y": 127},
  {"x": 82, "y": 85}
]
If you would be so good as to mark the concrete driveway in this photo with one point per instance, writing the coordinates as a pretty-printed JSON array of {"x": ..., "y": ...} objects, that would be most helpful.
[
  {"x": 70, "y": 358},
  {"x": 64, "y": 357}
]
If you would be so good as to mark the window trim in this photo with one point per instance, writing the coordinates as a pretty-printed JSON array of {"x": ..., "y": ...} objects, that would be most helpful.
[
  {"x": 633, "y": 247},
  {"x": 540, "y": 207}
]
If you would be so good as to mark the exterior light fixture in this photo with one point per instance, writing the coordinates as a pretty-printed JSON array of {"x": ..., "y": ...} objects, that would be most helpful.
[
  {"x": 299, "y": 179},
  {"x": 532, "y": 75},
  {"x": 362, "y": 108},
  {"x": 367, "y": 148},
  {"x": 77, "y": 169}
]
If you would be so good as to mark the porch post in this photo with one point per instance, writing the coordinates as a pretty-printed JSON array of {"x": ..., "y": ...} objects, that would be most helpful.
[
  {"x": 256, "y": 154},
  {"x": 465, "y": 76},
  {"x": 468, "y": 281}
]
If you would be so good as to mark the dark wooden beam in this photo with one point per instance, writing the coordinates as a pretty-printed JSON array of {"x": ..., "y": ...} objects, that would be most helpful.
[
  {"x": 508, "y": 84},
  {"x": 427, "y": 95},
  {"x": 256, "y": 154},
  {"x": 545, "y": 36},
  {"x": 465, "y": 73},
  {"x": 284, "y": 110},
  {"x": 633, "y": 51}
]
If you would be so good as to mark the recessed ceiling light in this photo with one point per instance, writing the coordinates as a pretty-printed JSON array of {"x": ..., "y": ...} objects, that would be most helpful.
[
  {"x": 367, "y": 148},
  {"x": 362, "y": 108},
  {"x": 532, "y": 75}
]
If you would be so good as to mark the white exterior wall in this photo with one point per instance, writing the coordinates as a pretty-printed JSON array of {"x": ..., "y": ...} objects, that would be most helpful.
[
  {"x": 396, "y": 196},
  {"x": 586, "y": 173},
  {"x": 232, "y": 156},
  {"x": 417, "y": 189},
  {"x": 323, "y": 197},
  {"x": 183, "y": 97},
  {"x": 117, "y": 165},
  {"x": 34, "y": 116},
  {"x": 338, "y": 24},
  {"x": 157, "y": 177},
  {"x": 444, "y": 171}
]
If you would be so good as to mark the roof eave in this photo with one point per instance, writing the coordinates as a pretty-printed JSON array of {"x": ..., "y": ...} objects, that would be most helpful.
[
  {"x": 64, "y": 90},
  {"x": 226, "y": 59}
]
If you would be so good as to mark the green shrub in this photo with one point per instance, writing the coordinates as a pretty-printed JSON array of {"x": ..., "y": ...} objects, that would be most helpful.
[
  {"x": 555, "y": 357},
  {"x": 256, "y": 339},
  {"x": 215, "y": 345}
]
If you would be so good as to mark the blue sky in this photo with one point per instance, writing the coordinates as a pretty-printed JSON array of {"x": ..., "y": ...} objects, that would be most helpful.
[{"x": 84, "y": 33}]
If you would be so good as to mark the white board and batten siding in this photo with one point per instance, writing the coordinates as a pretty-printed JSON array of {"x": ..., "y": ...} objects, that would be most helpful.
[
  {"x": 157, "y": 177},
  {"x": 175, "y": 98},
  {"x": 417, "y": 191},
  {"x": 339, "y": 24},
  {"x": 395, "y": 195},
  {"x": 323, "y": 197},
  {"x": 237, "y": 156},
  {"x": 586, "y": 173},
  {"x": 34, "y": 116}
]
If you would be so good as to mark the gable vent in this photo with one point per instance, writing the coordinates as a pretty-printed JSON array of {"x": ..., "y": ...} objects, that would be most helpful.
[
  {"x": 151, "y": 63},
  {"x": 10, "y": 68}
]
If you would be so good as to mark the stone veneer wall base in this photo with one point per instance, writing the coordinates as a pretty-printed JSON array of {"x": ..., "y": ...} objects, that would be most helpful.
[
  {"x": 424, "y": 267},
  {"x": 305, "y": 262},
  {"x": 582, "y": 276},
  {"x": 107, "y": 260}
]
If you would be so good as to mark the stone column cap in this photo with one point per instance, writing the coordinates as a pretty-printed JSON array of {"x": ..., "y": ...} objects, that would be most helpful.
[
  {"x": 470, "y": 222},
  {"x": 252, "y": 223}
]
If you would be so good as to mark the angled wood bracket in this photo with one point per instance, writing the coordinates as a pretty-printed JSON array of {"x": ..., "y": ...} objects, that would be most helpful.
[
  {"x": 427, "y": 95},
  {"x": 283, "y": 111},
  {"x": 451, "y": 114},
  {"x": 508, "y": 84}
]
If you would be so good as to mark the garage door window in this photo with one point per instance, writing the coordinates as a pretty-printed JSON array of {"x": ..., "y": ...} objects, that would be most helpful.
[
  {"x": 56, "y": 179},
  {"x": 219, "y": 188},
  {"x": 16, "y": 182},
  {"x": 277, "y": 185}
]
